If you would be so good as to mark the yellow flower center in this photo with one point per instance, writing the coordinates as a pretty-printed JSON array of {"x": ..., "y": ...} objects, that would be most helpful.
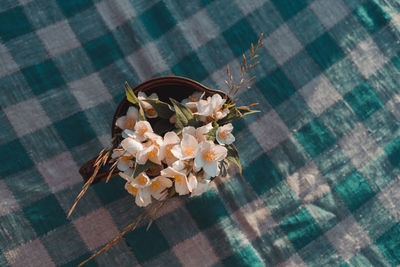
[
  {"x": 151, "y": 112},
  {"x": 209, "y": 155},
  {"x": 178, "y": 178},
  {"x": 169, "y": 154},
  {"x": 142, "y": 129},
  {"x": 223, "y": 134},
  {"x": 130, "y": 124},
  {"x": 189, "y": 150},
  {"x": 131, "y": 189},
  {"x": 156, "y": 185},
  {"x": 152, "y": 155},
  {"x": 141, "y": 180}
]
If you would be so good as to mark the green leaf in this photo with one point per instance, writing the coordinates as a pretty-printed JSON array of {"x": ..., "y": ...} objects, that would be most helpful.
[
  {"x": 130, "y": 95},
  {"x": 184, "y": 116},
  {"x": 223, "y": 166},
  {"x": 211, "y": 134},
  {"x": 163, "y": 109},
  {"x": 233, "y": 156},
  {"x": 142, "y": 168}
]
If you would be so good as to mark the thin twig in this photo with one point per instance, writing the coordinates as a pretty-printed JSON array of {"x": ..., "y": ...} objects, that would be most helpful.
[{"x": 98, "y": 163}]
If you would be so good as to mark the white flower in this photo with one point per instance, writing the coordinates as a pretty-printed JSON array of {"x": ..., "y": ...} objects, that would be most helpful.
[
  {"x": 151, "y": 149},
  {"x": 190, "y": 102},
  {"x": 129, "y": 120},
  {"x": 147, "y": 107},
  {"x": 181, "y": 182},
  {"x": 204, "y": 107},
  {"x": 139, "y": 187},
  {"x": 186, "y": 149},
  {"x": 141, "y": 128},
  {"x": 212, "y": 107},
  {"x": 170, "y": 140},
  {"x": 131, "y": 145},
  {"x": 207, "y": 157},
  {"x": 201, "y": 188},
  {"x": 142, "y": 183},
  {"x": 199, "y": 132},
  {"x": 158, "y": 186},
  {"x": 224, "y": 134}
]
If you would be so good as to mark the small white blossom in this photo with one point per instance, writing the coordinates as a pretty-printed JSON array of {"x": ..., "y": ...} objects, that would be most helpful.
[
  {"x": 186, "y": 149},
  {"x": 181, "y": 182},
  {"x": 158, "y": 186},
  {"x": 170, "y": 140},
  {"x": 224, "y": 134},
  {"x": 142, "y": 183},
  {"x": 208, "y": 156},
  {"x": 212, "y": 107},
  {"x": 190, "y": 102},
  {"x": 141, "y": 128},
  {"x": 129, "y": 120},
  {"x": 149, "y": 111},
  {"x": 199, "y": 132}
]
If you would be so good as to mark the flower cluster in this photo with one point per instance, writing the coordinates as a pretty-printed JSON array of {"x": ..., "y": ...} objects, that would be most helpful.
[{"x": 181, "y": 161}]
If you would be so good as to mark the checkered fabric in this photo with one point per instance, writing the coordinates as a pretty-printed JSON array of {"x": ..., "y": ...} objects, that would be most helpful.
[{"x": 320, "y": 185}]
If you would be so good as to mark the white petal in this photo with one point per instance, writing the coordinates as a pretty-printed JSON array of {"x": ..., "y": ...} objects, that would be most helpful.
[
  {"x": 143, "y": 197},
  {"x": 171, "y": 138},
  {"x": 189, "y": 146},
  {"x": 218, "y": 137},
  {"x": 189, "y": 130},
  {"x": 128, "y": 133},
  {"x": 230, "y": 139},
  {"x": 201, "y": 131},
  {"x": 121, "y": 122},
  {"x": 132, "y": 113},
  {"x": 131, "y": 145},
  {"x": 177, "y": 151},
  {"x": 183, "y": 187},
  {"x": 220, "y": 152},
  {"x": 200, "y": 189},
  {"x": 165, "y": 182},
  {"x": 192, "y": 181},
  {"x": 123, "y": 164},
  {"x": 217, "y": 101},
  {"x": 198, "y": 162},
  {"x": 142, "y": 95},
  {"x": 153, "y": 96},
  {"x": 178, "y": 165},
  {"x": 204, "y": 107},
  {"x": 211, "y": 168}
]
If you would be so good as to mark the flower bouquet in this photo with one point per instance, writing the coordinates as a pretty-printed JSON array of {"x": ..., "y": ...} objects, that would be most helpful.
[{"x": 172, "y": 148}]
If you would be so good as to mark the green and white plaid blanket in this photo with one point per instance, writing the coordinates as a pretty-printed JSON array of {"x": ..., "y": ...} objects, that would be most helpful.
[{"x": 320, "y": 185}]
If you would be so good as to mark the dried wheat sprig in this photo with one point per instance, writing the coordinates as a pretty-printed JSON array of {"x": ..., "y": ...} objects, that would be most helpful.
[
  {"x": 98, "y": 163},
  {"x": 244, "y": 69},
  {"x": 130, "y": 227}
]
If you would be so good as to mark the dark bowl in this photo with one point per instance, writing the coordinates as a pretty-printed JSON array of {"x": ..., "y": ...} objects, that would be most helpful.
[{"x": 165, "y": 87}]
